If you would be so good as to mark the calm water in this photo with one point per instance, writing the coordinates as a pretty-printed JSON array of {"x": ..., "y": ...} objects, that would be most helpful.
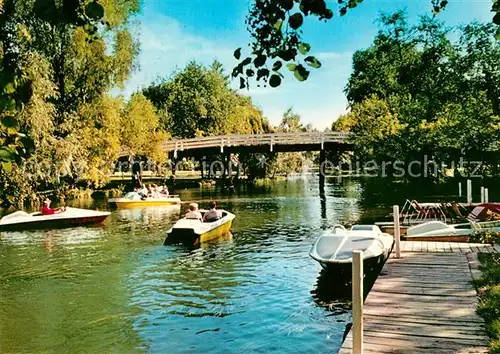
[{"x": 115, "y": 288}]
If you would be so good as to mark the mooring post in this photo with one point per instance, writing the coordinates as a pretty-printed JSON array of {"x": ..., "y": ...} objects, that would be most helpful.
[
  {"x": 397, "y": 230},
  {"x": 486, "y": 196},
  {"x": 482, "y": 194},
  {"x": 460, "y": 189},
  {"x": 322, "y": 160},
  {"x": 357, "y": 301},
  {"x": 469, "y": 191}
]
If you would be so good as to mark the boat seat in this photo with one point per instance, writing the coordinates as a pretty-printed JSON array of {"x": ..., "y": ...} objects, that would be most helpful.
[{"x": 213, "y": 219}]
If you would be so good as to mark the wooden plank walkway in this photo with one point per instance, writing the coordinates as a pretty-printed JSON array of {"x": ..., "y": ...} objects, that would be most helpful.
[{"x": 424, "y": 302}]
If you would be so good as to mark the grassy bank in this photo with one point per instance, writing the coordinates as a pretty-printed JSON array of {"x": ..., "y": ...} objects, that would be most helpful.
[
  {"x": 489, "y": 293},
  {"x": 489, "y": 289}
]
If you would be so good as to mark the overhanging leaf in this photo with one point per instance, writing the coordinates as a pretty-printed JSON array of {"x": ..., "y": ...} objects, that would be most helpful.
[
  {"x": 277, "y": 65},
  {"x": 278, "y": 25},
  {"x": 237, "y": 54},
  {"x": 274, "y": 80},
  {"x": 301, "y": 73},
  {"x": 259, "y": 60},
  {"x": 287, "y": 4},
  {"x": 304, "y": 48},
  {"x": 291, "y": 67},
  {"x": 262, "y": 73},
  {"x": 94, "y": 10},
  {"x": 246, "y": 61},
  {"x": 312, "y": 62},
  {"x": 496, "y": 18},
  {"x": 296, "y": 20},
  {"x": 498, "y": 34}
]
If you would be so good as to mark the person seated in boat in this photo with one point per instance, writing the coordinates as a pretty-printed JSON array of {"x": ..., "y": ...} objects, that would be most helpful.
[
  {"x": 213, "y": 214},
  {"x": 47, "y": 210},
  {"x": 164, "y": 191},
  {"x": 143, "y": 192},
  {"x": 150, "y": 191},
  {"x": 193, "y": 212},
  {"x": 156, "y": 191}
]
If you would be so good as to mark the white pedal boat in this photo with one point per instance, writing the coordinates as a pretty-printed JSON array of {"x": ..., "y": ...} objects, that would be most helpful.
[
  {"x": 334, "y": 248},
  {"x": 21, "y": 220},
  {"x": 193, "y": 231}
]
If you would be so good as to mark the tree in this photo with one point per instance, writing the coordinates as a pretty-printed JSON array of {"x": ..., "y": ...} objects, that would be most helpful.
[
  {"x": 417, "y": 95},
  {"x": 140, "y": 129},
  {"x": 198, "y": 101},
  {"x": 58, "y": 62}
]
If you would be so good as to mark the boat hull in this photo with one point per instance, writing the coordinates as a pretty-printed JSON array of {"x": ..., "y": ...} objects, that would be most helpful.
[
  {"x": 55, "y": 223},
  {"x": 344, "y": 270},
  {"x": 190, "y": 237},
  {"x": 144, "y": 203}
]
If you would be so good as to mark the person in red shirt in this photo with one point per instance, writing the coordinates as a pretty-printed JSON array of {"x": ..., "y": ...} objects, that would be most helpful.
[{"x": 47, "y": 210}]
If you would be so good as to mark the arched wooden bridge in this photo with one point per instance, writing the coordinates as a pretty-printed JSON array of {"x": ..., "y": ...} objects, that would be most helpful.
[{"x": 274, "y": 142}]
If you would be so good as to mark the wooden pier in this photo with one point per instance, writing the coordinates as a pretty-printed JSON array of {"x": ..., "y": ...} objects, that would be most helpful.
[{"x": 425, "y": 302}]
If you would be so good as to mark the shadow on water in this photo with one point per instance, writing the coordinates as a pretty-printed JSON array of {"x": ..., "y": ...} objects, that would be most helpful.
[{"x": 333, "y": 289}]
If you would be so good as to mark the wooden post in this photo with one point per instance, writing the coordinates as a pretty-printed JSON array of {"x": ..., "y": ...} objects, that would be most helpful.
[
  {"x": 486, "y": 196},
  {"x": 469, "y": 191},
  {"x": 460, "y": 189},
  {"x": 397, "y": 230},
  {"x": 357, "y": 302},
  {"x": 322, "y": 160},
  {"x": 482, "y": 194}
]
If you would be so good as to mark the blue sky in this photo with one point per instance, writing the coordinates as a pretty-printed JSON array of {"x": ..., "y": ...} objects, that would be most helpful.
[{"x": 173, "y": 32}]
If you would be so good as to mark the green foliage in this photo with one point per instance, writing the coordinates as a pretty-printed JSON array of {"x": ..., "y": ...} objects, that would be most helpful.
[
  {"x": 140, "y": 128},
  {"x": 415, "y": 92},
  {"x": 198, "y": 101},
  {"x": 489, "y": 305},
  {"x": 58, "y": 62},
  {"x": 488, "y": 237},
  {"x": 276, "y": 28}
]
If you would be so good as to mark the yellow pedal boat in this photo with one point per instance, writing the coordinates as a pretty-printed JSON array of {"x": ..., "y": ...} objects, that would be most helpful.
[
  {"x": 133, "y": 200},
  {"x": 193, "y": 231}
]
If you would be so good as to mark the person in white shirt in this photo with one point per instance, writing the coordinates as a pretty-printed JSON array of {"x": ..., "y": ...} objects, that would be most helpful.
[
  {"x": 213, "y": 214},
  {"x": 193, "y": 212}
]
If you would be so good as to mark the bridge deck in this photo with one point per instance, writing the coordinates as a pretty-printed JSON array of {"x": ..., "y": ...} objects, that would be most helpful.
[{"x": 424, "y": 303}]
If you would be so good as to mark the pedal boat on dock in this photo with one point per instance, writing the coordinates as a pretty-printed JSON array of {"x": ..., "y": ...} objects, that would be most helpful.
[
  {"x": 133, "y": 200},
  {"x": 333, "y": 249},
  {"x": 194, "y": 232},
  {"x": 484, "y": 217},
  {"x": 72, "y": 217}
]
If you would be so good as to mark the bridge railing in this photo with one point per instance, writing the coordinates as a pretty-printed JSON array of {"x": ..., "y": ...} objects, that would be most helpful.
[
  {"x": 271, "y": 139},
  {"x": 256, "y": 139}
]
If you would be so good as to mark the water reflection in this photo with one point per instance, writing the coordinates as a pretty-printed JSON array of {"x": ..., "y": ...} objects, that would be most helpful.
[{"x": 54, "y": 238}]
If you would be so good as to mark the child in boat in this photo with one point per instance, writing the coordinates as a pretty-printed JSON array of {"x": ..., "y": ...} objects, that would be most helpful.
[
  {"x": 47, "y": 210},
  {"x": 213, "y": 214},
  {"x": 193, "y": 212},
  {"x": 156, "y": 191}
]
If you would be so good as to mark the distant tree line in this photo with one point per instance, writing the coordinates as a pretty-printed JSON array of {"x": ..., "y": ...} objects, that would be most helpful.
[{"x": 417, "y": 93}]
